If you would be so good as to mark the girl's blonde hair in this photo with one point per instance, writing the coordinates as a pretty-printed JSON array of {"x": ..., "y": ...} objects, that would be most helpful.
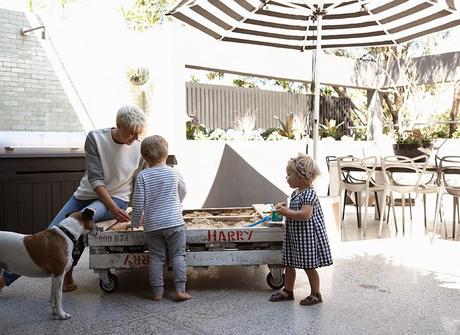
[
  {"x": 154, "y": 148},
  {"x": 304, "y": 166}
]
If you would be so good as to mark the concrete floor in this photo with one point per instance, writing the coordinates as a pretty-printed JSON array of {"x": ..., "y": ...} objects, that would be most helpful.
[{"x": 392, "y": 285}]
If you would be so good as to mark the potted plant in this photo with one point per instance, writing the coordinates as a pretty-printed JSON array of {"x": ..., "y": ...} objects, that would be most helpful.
[
  {"x": 410, "y": 142},
  {"x": 138, "y": 75}
]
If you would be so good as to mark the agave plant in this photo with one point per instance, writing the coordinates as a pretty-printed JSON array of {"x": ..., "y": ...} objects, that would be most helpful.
[
  {"x": 331, "y": 129},
  {"x": 287, "y": 129}
]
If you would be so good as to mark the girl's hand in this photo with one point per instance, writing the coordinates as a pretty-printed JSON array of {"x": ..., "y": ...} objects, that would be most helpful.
[
  {"x": 279, "y": 205},
  {"x": 283, "y": 210}
]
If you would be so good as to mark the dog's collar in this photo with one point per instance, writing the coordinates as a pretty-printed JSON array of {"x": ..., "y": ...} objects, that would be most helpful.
[{"x": 69, "y": 234}]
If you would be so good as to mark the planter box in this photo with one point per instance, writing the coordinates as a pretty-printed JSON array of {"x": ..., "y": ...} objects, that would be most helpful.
[{"x": 411, "y": 150}]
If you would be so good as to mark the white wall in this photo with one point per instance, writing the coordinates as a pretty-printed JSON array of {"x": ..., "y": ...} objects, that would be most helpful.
[{"x": 254, "y": 171}]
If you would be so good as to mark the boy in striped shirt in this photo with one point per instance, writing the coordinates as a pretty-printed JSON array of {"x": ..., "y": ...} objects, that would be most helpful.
[{"x": 157, "y": 202}]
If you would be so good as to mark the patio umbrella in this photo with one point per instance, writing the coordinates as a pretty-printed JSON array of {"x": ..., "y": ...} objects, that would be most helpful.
[{"x": 317, "y": 24}]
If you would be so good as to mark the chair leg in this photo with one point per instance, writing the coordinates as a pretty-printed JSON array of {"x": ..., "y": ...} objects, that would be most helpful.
[
  {"x": 394, "y": 212},
  {"x": 436, "y": 211},
  {"x": 424, "y": 209},
  {"x": 410, "y": 206},
  {"x": 377, "y": 206},
  {"x": 385, "y": 194},
  {"x": 403, "y": 205},
  {"x": 444, "y": 223},
  {"x": 344, "y": 204},
  {"x": 389, "y": 209},
  {"x": 358, "y": 212},
  {"x": 366, "y": 201},
  {"x": 455, "y": 217}
]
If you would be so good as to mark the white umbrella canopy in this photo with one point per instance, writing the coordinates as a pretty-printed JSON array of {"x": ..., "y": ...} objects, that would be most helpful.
[{"x": 303, "y": 24}]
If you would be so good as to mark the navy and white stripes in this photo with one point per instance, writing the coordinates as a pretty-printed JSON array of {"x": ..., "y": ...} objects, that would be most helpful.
[{"x": 158, "y": 195}]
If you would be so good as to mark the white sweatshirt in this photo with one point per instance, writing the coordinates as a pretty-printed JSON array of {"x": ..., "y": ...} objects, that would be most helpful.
[{"x": 108, "y": 163}]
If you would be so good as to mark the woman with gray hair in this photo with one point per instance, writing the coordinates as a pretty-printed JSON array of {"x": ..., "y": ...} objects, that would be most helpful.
[{"x": 112, "y": 157}]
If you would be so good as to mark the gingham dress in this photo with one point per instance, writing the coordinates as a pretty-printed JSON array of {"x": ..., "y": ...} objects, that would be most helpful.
[{"x": 306, "y": 245}]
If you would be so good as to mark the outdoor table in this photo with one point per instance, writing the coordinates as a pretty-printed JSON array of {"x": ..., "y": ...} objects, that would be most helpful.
[{"x": 334, "y": 180}]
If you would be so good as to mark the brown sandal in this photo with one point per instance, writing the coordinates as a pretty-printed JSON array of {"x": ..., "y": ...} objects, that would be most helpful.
[
  {"x": 312, "y": 299},
  {"x": 279, "y": 296}
]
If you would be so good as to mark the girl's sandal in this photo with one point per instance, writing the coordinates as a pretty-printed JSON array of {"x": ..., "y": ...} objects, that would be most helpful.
[
  {"x": 312, "y": 299},
  {"x": 283, "y": 295}
]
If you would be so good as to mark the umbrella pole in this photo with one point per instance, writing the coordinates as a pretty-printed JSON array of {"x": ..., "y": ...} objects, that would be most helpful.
[{"x": 317, "y": 92}]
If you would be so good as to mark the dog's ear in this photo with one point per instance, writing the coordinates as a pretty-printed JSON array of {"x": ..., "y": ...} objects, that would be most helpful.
[{"x": 88, "y": 213}]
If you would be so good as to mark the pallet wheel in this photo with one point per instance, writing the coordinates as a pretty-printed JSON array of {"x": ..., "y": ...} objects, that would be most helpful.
[
  {"x": 276, "y": 285},
  {"x": 111, "y": 285}
]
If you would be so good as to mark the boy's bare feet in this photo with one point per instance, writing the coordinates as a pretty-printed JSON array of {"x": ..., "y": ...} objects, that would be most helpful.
[
  {"x": 69, "y": 284},
  {"x": 182, "y": 296},
  {"x": 157, "y": 297}
]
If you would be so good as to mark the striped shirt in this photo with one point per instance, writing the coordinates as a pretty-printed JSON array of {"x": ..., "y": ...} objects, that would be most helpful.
[{"x": 157, "y": 197}]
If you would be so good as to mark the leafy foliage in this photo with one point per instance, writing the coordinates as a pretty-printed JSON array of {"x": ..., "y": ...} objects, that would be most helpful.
[
  {"x": 291, "y": 87},
  {"x": 331, "y": 129},
  {"x": 248, "y": 82},
  {"x": 34, "y": 5},
  {"x": 265, "y": 134},
  {"x": 287, "y": 129},
  {"x": 194, "y": 128},
  {"x": 327, "y": 91},
  {"x": 415, "y": 136},
  {"x": 360, "y": 134},
  {"x": 145, "y": 14},
  {"x": 215, "y": 75}
]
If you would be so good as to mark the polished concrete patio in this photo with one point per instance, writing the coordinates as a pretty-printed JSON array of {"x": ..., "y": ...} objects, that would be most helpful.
[{"x": 392, "y": 285}]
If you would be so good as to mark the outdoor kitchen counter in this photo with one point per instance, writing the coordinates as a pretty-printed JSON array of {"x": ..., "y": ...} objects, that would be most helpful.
[{"x": 34, "y": 185}]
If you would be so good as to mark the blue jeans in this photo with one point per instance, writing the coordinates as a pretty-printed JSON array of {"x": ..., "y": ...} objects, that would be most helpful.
[{"x": 74, "y": 205}]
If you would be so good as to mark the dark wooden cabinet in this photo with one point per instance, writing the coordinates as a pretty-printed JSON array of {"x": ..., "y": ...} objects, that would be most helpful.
[{"x": 35, "y": 185}]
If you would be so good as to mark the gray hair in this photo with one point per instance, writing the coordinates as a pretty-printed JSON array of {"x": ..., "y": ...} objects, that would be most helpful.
[
  {"x": 131, "y": 117},
  {"x": 154, "y": 148}
]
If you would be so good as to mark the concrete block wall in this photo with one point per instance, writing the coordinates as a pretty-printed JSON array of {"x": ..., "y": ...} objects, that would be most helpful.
[{"x": 31, "y": 95}]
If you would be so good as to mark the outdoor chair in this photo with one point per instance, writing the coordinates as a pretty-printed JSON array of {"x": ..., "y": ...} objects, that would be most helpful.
[
  {"x": 357, "y": 176},
  {"x": 330, "y": 159},
  {"x": 404, "y": 176},
  {"x": 449, "y": 178}
]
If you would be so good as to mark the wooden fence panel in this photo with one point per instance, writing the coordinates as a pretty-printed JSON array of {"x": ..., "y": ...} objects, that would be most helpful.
[{"x": 218, "y": 106}]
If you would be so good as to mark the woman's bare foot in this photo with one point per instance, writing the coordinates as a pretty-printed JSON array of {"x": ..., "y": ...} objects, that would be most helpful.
[
  {"x": 157, "y": 297},
  {"x": 69, "y": 284},
  {"x": 2, "y": 283},
  {"x": 182, "y": 296}
]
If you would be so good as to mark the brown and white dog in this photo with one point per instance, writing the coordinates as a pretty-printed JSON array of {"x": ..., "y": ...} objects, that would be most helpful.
[{"x": 47, "y": 253}]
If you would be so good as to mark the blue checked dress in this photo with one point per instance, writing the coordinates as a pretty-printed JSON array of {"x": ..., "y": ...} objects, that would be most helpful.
[{"x": 306, "y": 245}]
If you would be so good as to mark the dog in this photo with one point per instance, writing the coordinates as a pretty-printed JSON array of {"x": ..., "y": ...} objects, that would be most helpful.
[{"x": 47, "y": 253}]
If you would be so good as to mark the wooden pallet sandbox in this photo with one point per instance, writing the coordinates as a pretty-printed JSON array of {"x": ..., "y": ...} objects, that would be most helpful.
[{"x": 215, "y": 237}]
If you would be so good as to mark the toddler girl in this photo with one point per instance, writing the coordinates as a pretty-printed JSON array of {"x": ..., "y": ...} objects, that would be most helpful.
[{"x": 305, "y": 245}]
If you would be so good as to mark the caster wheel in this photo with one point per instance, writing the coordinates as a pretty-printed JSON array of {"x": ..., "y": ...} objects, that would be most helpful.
[
  {"x": 274, "y": 284},
  {"x": 111, "y": 286}
]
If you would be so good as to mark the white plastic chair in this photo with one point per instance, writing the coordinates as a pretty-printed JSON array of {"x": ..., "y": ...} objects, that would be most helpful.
[
  {"x": 404, "y": 176},
  {"x": 449, "y": 178},
  {"x": 357, "y": 175}
]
